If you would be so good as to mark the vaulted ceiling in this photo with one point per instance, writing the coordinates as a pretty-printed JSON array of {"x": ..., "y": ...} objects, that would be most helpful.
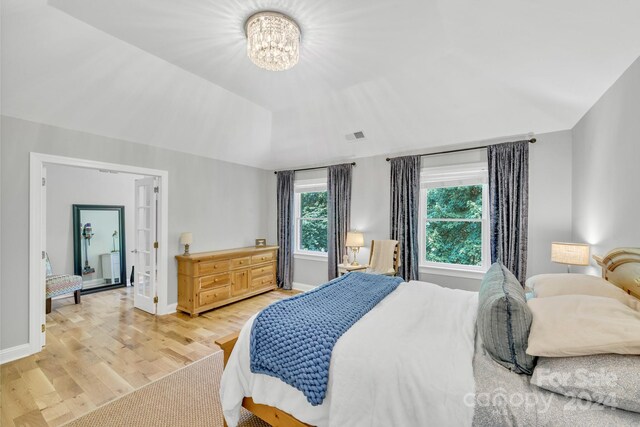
[{"x": 411, "y": 74}]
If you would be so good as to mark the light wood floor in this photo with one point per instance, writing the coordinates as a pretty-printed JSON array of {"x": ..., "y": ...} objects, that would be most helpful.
[{"x": 103, "y": 348}]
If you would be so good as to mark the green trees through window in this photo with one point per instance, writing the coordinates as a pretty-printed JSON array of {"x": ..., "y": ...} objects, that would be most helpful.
[
  {"x": 313, "y": 221},
  {"x": 454, "y": 225}
]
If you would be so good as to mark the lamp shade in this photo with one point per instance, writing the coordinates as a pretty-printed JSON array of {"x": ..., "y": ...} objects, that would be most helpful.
[
  {"x": 570, "y": 253},
  {"x": 186, "y": 238},
  {"x": 354, "y": 239}
]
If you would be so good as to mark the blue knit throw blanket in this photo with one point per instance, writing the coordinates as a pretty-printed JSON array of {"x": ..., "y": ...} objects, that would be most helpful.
[{"x": 293, "y": 339}]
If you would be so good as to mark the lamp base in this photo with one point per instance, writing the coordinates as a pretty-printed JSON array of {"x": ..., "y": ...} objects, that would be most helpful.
[
  {"x": 186, "y": 250},
  {"x": 354, "y": 251}
]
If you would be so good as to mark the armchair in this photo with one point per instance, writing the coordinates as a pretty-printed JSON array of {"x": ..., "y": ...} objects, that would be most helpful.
[{"x": 384, "y": 257}]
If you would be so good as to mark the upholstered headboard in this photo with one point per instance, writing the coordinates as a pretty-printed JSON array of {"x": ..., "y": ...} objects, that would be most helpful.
[{"x": 621, "y": 266}]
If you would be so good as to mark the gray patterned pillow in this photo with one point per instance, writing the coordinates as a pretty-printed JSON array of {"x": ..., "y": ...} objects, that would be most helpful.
[
  {"x": 504, "y": 320},
  {"x": 608, "y": 379}
]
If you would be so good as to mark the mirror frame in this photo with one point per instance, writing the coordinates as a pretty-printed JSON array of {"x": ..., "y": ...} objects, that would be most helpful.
[{"x": 77, "y": 244}]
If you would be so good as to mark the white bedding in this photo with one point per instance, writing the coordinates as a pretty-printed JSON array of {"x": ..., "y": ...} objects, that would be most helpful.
[{"x": 407, "y": 362}]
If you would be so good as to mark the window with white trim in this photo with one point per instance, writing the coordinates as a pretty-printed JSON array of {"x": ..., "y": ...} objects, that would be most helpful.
[
  {"x": 454, "y": 232},
  {"x": 310, "y": 206}
]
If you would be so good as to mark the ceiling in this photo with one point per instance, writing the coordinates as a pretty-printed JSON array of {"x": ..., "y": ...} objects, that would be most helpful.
[{"x": 411, "y": 74}]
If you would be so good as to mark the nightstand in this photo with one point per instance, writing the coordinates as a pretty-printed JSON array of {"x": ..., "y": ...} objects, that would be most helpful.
[{"x": 345, "y": 268}]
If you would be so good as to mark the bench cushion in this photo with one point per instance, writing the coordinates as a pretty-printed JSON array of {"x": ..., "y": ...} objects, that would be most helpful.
[{"x": 60, "y": 284}]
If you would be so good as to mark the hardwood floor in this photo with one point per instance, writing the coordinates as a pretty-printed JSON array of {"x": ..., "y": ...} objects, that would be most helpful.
[{"x": 103, "y": 348}]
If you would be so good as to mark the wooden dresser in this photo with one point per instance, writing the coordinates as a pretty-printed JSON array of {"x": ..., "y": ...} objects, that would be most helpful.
[{"x": 208, "y": 280}]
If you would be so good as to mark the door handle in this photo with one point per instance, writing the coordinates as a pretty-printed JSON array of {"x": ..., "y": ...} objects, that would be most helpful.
[{"x": 135, "y": 251}]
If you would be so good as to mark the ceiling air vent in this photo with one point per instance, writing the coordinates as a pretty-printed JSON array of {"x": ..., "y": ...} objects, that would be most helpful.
[{"x": 354, "y": 136}]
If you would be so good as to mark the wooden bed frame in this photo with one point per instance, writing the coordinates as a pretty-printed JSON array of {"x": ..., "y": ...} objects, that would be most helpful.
[
  {"x": 270, "y": 414},
  {"x": 621, "y": 267}
]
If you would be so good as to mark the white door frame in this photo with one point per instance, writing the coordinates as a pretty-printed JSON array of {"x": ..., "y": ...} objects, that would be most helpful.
[{"x": 37, "y": 316}]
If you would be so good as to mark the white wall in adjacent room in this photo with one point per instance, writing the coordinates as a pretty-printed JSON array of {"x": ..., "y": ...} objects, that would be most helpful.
[
  {"x": 549, "y": 206},
  {"x": 606, "y": 171},
  {"x": 67, "y": 186}
]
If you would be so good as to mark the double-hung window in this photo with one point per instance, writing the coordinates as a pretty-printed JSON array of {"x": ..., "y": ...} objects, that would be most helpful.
[
  {"x": 454, "y": 216},
  {"x": 311, "y": 217}
]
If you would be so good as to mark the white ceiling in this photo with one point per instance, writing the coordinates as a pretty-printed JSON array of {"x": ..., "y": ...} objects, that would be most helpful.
[{"x": 412, "y": 74}]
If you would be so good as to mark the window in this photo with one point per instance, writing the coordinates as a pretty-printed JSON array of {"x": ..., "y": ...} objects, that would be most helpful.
[
  {"x": 454, "y": 212},
  {"x": 311, "y": 217}
]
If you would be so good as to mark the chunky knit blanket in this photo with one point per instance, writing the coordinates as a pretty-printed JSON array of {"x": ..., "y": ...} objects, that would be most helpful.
[{"x": 293, "y": 339}]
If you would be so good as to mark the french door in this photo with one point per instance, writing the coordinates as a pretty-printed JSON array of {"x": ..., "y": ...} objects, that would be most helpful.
[{"x": 146, "y": 245}]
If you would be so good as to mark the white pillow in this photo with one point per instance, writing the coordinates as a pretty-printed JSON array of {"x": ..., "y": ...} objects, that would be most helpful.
[
  {"x": 550, "y": 285},
  {"x": 580, "y": 325}
]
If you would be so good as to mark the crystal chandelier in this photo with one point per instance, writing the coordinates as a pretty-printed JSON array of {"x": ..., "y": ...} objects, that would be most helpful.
[{"x": 273, "y": 41}]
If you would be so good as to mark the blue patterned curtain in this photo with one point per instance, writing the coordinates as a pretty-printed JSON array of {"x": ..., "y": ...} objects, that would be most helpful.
[
  {"x": 509, "y": 204},
  {"x": 285, "y": 228},
  {"x": 405, "y": 202},
  {"x": 338, "y": 213}
]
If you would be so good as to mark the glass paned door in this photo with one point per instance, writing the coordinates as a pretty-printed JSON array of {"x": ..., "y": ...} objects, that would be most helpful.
[{"x": 145, "y": 247}]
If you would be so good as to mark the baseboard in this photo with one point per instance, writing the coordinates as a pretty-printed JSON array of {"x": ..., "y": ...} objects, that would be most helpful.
[
  {"x": 14, "y": 353},
  {"x": 168, "y": 309},
  {"x": 302, "y": 286}
]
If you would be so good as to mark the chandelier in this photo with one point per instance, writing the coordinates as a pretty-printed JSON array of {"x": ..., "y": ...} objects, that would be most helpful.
[{"x": 273, "y": 41}]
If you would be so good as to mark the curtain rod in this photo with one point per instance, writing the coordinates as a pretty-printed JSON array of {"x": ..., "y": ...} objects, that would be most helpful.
[
  {"x": 310, "y": 169},
  {"x": 532, "y": 140}
]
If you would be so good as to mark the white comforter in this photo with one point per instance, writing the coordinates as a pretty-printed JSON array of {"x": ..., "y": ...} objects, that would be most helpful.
[{"x": 407, "y": 362}]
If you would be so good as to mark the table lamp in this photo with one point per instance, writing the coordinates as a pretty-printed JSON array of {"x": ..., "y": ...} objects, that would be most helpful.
[
  {"x": 570, "y": 254},
  {"x": 355, "y": 240},
  {"x": 186, "y": 239}
]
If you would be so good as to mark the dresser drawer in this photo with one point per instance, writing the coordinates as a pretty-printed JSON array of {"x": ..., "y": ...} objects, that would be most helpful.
[
  {"x": 240, "y": 262},
  {"x": 262, "y": 271},
  {"x": 263, "y": 282},
  {"x": 214, "y": 280},
  {"x": 263, "y": 257},
  {"x": 211, "y": 267},
  {"x": 214, "y": 295}
]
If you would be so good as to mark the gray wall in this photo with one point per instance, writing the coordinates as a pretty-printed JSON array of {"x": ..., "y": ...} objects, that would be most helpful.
[
  {"x": 221, "y": 203},
  {"x": 549, "y": 206},
  {"x": 550, "y": 169},
  {"x": 227, "y": 205},
  {"x": 606, "y": 173}
]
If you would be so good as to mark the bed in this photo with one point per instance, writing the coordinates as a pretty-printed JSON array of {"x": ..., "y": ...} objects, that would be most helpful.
[{"x": 414, "y": 359}]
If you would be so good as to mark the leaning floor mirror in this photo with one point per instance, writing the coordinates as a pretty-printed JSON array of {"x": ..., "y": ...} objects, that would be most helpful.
[{"x": 99, "y": 246}]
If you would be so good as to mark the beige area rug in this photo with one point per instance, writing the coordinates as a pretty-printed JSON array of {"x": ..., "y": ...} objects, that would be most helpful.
[{"x": 188, "y": 397}]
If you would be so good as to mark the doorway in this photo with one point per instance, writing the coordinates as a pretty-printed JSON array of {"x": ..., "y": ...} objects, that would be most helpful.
[{"x": 150, "y": 237}]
